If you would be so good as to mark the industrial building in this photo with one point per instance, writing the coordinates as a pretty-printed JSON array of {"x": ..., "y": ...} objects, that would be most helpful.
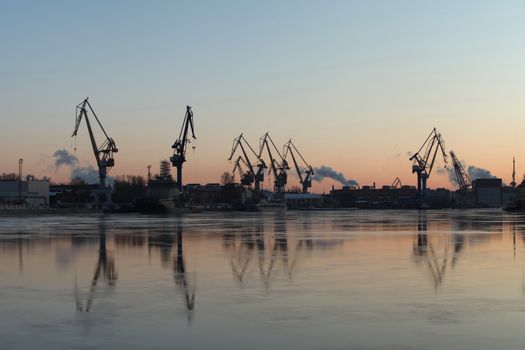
[
  {"x": 303, "y": 200},
  {"x": 509, "y": 195},
  {"x": 488, "y": 192},
  {"x": 31, "y": 194},
  {"x": 372, "y": 197}
]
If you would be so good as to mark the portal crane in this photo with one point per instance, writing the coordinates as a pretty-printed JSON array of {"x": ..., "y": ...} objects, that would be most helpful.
[
  {"x": 462, "y": 177},
  {"x": 258, "y": 176},
  {"x": 424, "y": 160},
  {"x": 103, "y": 153},
  {"x": 179, "y": 147},
  {"x": 397, "y": 183},
  {"x": 305, "y": 174},
  {"x": 278, "y": 168}
]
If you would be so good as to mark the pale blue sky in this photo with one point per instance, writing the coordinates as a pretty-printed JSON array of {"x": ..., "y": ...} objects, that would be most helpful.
[{"x": 354, "y": 83}]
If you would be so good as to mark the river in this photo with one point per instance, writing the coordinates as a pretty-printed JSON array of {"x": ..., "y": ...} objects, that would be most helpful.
[{"x": 444, "y": 279}]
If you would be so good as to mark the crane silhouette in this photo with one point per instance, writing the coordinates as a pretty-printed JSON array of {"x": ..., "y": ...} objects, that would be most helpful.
[
  {"x": 179, "y": 146},
  {"x": 103, "y": 153},
  {"x": 424, "y": 159}
]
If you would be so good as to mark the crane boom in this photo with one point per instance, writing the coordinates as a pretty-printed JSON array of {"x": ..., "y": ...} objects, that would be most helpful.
[
  {"x": 305, "y": 175},
  {"x": 462, "y": 177},
  {"x": 424, "y": 159},
  {"x": 237, "y": 166},
  {"x": 103, "y": 153},
  {"x": 179, "y": 146},
  {"x": 238, "y": 142}
]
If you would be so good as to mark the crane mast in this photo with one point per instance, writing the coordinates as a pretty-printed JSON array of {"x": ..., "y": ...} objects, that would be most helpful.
[
  {"x": 424, "y": 159},
  {"x": 462, "y": 177},
  {"x": 305, "y": 174},
  {"x": 103, "y": 153},
  {"x": 255, "y": 176},
  {"x": 277, "y": 168},
  {"x": 179, "y": 147}
]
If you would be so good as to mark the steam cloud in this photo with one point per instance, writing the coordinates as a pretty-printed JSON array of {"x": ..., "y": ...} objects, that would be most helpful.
[
  {"x": 327, "y": 172},
  {"x": 473, "y": 172},
  {"x": 452, "y": 175},
  {"x": 479, "y": 173},
  {"x": 63, "y": 157},
  {"x": 87, "y": 173}
]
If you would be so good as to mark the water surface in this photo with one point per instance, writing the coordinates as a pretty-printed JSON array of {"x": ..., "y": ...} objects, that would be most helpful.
[{"x": 296, "y": 280}]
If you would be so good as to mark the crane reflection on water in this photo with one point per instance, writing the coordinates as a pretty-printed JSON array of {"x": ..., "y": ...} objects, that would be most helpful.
[
  {"x": 265, "y": 245},
  {"x": 425, "y": 253},
  {"x": 268, "y": 248},
  {"x": 440, "y": 252},
  {"x": 185, "y": 281},
  {"x": 105, "y": 268}
]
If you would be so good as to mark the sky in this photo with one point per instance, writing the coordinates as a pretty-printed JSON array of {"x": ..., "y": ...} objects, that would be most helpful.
[{"x": 357, "y": 85}]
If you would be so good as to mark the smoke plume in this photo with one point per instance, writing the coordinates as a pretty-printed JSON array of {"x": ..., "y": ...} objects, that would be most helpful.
[
  {"x": 450, "y": 172},
  {"x": 478, "y": 173},
  {"x": 327, "y": 172},
  {"x": 452, "y": 176},
  {"x": 63, "y": 157},
  {"x": 473, "y": 172},
  {"x": 87, "y": 173}
]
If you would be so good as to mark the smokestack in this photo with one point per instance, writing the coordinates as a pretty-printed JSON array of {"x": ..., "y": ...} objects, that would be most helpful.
[
  {"x": 20, "y": 162},
  {"x": 513, "y": 183}
]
